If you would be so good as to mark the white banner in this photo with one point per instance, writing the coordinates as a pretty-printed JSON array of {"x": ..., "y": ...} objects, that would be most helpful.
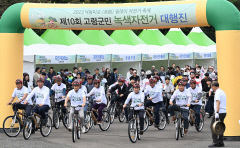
[{"x": 55, "y": 59}]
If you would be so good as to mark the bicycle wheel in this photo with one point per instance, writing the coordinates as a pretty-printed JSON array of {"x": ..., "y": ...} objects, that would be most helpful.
[
  {"x": 177, "y": 125},
  {"x": 112, "y": 113},
  {"x": 163, "y": 121},
  {"x": 104, "y": 126},
  {"x": 132, "y": 130},
  {"x": 121, "y": 116},
  {"x": 66, "y": 120},
  {"x": 73, "y": 130},
  {"x": 78, "y": 129},
  {"x": 201, "y": 124},
  {"x": 88, "y": 122},
  {"x": 27, "y": 128},
  {"x": 56, "y": 121},
  {"x": 12, "y": 126},
  {"x": 46, "y": 128},
  {"x": 146, "y": 123},
  {"x": 182, "y": 128}
]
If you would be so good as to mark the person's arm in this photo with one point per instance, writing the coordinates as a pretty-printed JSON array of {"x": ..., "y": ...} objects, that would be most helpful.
[
  {"x": 66, "y": 101},
  {"x": 64, "y": 92},
  {"x": 45, "y": 96},
  {"x": 84, "y": 101},
  {"x": 217, "y": 106},
  {"x": 189, "y": 95},
  {"x": 173, "y": 98},
  {"x": 91, "y": 92},
  {"x": 142, "y": 100},
  {"x": 29, "y": 96},
  {"x": 113, "y": 88},
  {"x": 13, "y": 97},
  {"x": 25, "y": 95}
]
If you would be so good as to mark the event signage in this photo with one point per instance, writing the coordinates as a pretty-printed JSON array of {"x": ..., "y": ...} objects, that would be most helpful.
[
  {"x": 126, "y": 58},
  {"x": 179, "y": 56},
  {"x": 93, "y": 58},
  {"x": 207, "y": 55},
  {"x": 55, "y": 59},
  {"x": 114, "y": 17},
  {"x": 154, "y": 57}
]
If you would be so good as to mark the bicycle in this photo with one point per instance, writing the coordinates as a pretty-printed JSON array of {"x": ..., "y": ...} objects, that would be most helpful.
[
  {"x": 179, "y": 122},
  {"x": 92, "y": 115},
  {"x": 192, "y": 119},
  {"x": 115, "y": 110},
  {"x": 35, "y": 122},
  {"x": 58, "y": 115},
  {"x": 76, "y": 124},
  {"x": 150, "y": 118},
  {"x": 12, "y": 125},
  {"x": 133, "y": 127}
]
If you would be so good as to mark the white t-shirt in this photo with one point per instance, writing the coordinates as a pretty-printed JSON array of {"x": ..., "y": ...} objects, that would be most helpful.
[
  {"x": 195, "y": 95},
  {"x": 58, "y": 91},
  {"x": 41, "y": 95},
  {"x": 155, "y": 93},
  {"x": 99, "y": 94},
  {"x": 19, "y": 93},
  {"x": 220, "y": 96},
  {"x": 182, "y": 98},
  {"x": 76, "y": 98},
  {"x": 145, "y": 83},
  {"x": 136, "y": 99}
]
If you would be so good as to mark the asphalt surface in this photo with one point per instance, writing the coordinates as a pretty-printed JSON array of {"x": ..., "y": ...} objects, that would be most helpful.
[{"x": 116, "y": 137}]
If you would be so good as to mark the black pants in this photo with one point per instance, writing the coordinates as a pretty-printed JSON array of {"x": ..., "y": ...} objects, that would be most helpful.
[
  {"x": 218, "y": 139},
  {"x": 60, "y": 105},
  {"x": 121, "y": 101},
  {"x": 41, "y": 110},
  {"x": 27, "y": 108},
  {"x": 210, "y": 105},
  {"x": 156, "y": 109},
  {"x": 166, "y": 103},
  {"x": 141, "y": 117},
  {"x": 185, "y": 114}
]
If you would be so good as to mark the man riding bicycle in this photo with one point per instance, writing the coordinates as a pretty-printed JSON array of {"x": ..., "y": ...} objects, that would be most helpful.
[
  {"x": 155, "y": 98},
  {"x": 196, "y": 102},
  {"x": 167, "y": 91},
  {"x": 59, "y": 92},
  {"x": 183, "y": 99},
  {"x": 100, "y": 100},
  {"x": 137, "y": 99},
  {"x": 41, "y": 94},
  {"x": 21, "y": 92},
  {"x": 77, "y": 97},
  {"x": 121, "y": 95}
]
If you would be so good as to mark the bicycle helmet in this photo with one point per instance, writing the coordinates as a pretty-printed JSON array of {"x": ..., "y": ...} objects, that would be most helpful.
[
  {"x": 193, "y": 81},
  {"x": 96, "y": 81},
  {"x": 121, "y": 79},
  {"x": 181, "y": 83},
  {"x": 77, "y": 82},
  {"x": 40, "y": 80},
  {"x": 156, "y": 77},
  {"x": 90, "y": 77},
  {"x": 151, "y": 80},
  {"x": 19, "y": 81},
  {"x": 58, "y": 78},
  {"x": 136, "y": 85}
]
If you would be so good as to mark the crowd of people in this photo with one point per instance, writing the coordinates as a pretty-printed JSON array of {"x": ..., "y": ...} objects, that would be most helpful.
[{"x": 171, "y": 89}]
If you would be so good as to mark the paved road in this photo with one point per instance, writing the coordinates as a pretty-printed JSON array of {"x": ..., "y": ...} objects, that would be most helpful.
[{"x": 115, "y": 137}]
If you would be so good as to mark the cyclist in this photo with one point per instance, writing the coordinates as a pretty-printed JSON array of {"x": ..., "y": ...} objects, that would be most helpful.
[
  {"x": 155, "y": 99},
  {"x": 122, "y": 93},
  {"x": 41, "y": 94},
  {"x": 59, "y": 91},
  {"x": 137, "y": 99},
  {"x": 183, "y": 99},
  {"x": 130, "y": 86},
  {"x": 21, "y": 92},
  {"x": 196, "y": 102},
  {"x": 146, "y": 80},
  {"x": 168, "y": 91},
  {"x": 77, "y": 97},
  {"x": 99, "y": 98},
  {"x": 89, "y": 86}
]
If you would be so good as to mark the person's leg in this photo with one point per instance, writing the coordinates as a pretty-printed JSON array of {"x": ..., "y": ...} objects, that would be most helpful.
[
  {"x": 81, "y": 116},
  {"x": 70, "y": 117},
  {"x": 42, "y": 111},
  {"x": 197, "y": 109},
  {"x": 163, "y": 106},
  {"x": 64, "y": 110},
  {"x": 28, "y": 110},
  {"x": 211, "y": 106},
  {"x": 220, "y": 139},
  {"x": 148, "y": 103},
  {"x": 100, "y": 113},
  {"x": 185, "y": 114},
  {"x": 141, "y": 117},
  {"x": 85, "y": 109},
  {"x": 156, "y": 112}
]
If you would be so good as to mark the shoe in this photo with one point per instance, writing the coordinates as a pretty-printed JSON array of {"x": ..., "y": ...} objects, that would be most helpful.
[
  {"x": 156, "y": 125},
  {"x": 127, "y": 121},
  {"x": 141, "y": 132},
  {"x": 99, "y": 122},
  {"x": 83, "y": 129},
  {"x": 216, "y": 145},
  {"x": 44, "y": 122},
  {"x": 185, "y": 131},
  {"x": 173, "y": 118},
  {"x": 70, "y": 127},
  {"x": 209, "y": 116},
  {"x": 168, "y": 122}
]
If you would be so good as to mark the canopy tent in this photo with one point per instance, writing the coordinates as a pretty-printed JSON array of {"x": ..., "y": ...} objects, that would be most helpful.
[
  {"x": 96, "y": 37},
  {"x": 61, "y": 37},
  {"x": 199, "y": 37},
  {"x": 127, "y": 37}
]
